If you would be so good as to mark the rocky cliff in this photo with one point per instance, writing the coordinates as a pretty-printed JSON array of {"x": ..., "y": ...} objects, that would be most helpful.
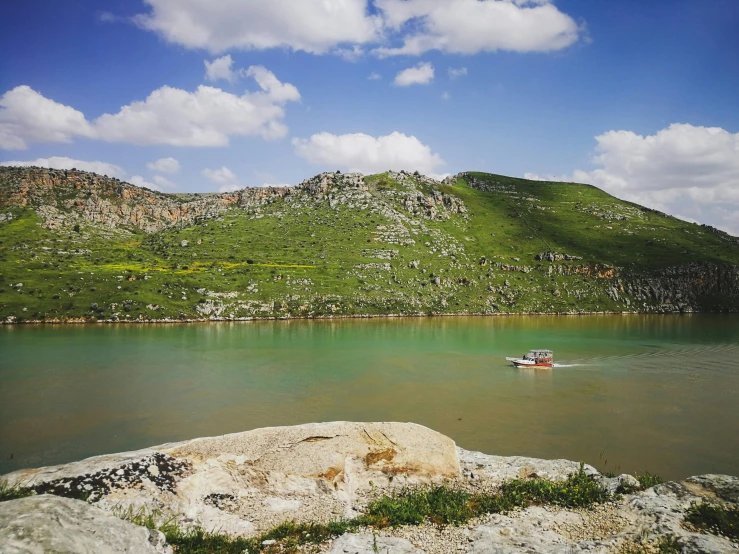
[{"x": 246, "y": 483}]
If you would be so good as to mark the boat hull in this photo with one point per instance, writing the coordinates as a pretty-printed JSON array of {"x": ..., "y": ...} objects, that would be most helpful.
[{"x": 519, "y": 362}]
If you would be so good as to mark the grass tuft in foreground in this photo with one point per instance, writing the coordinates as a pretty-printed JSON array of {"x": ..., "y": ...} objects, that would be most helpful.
[
  {"x": 444, "y": 506},
  {"x": 716, "y": 519},
  {"x": 647, "y": 481},
  {"x": 11, "y": 493}
]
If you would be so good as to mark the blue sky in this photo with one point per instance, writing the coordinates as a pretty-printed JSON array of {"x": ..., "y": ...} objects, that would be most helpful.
[{"x": 639, "y": 98}]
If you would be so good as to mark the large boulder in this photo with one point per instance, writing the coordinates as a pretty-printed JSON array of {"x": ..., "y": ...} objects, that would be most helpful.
[
  {"x": 54, "y": 525},
  {"x": 248, "y": 482}
]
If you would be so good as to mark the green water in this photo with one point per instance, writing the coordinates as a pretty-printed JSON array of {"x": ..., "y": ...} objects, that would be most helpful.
[{"x": 632, "y": 393}]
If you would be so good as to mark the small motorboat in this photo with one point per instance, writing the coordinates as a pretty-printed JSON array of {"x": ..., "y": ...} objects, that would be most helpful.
[{"x": 535, "y": 358}]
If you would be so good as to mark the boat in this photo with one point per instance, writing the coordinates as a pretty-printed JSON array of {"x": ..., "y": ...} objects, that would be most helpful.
[{"x": 535, "y": 358}]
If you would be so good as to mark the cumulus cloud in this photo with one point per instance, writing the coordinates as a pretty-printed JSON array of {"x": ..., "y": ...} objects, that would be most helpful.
[
  {"x": 422, "y": 74},
  {"x": 367, "y": 154},
  {"x": 473, "y": 26},
  {"x": 139, "y": 181},
  {"x": 456, "y": 72},
  {"x": 315, "y": 26},
  {"x": 276, "y": 91},
  {"x": 164, "y": 165},
  {"x": 229, "y": 188},
  {"x": 220, "y": 68},
  {"x": 222, "y": 176},
  {"x": 684, "y": 169},
  {"x": 56, "y": 162},
  {"x": 206, "y": 117},
  {"x": 374, "y": 76},
  {"x": 163, "y": 182},
  {"x": 27, "y": 116},
  {"x": 344, "y": 26}
]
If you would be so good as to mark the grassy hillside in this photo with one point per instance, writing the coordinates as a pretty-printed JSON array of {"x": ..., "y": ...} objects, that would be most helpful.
[{"x": 393, "y": 243}]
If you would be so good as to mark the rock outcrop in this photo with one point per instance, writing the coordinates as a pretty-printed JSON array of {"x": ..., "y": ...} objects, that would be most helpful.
[
  {"x": 55, "y": 525},
  {"x": 65, "y": 197},
  {"x": 248, "y": 482}
]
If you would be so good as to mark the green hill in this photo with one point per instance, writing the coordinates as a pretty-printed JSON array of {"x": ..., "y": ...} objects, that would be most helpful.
[{"x": 78, "y": 245}]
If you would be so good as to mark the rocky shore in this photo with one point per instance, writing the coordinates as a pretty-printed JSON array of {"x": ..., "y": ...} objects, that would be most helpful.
[{"x": 247, "y": 483}]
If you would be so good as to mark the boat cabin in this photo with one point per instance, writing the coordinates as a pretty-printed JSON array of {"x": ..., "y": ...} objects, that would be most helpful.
[{"x": 540, "y": 356}]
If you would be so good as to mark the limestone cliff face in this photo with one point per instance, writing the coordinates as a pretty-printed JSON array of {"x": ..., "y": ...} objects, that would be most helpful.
[
  {"x": 685, "y": 288},
  {"x": 63, "y": 196}
]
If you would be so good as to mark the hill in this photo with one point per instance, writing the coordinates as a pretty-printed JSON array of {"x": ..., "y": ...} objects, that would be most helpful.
[{"x": 76, "y": 245}]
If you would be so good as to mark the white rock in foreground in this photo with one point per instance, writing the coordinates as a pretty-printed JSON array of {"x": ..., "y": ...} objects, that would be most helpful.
[
  {"x": 369, "y": 544},
  {"x": 248, "y": 482},
  {"x": 54, "y": 525}
]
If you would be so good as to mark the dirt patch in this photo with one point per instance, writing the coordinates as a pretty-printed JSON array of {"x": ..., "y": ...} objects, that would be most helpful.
[{"x": 373, "y": 457}]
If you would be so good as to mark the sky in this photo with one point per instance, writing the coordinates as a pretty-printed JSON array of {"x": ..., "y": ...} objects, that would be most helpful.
[{"x": 638, "y": 98}]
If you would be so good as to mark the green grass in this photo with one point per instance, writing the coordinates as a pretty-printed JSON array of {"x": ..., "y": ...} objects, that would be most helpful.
[
  {"x": 8, "y": 492},
  {"x": 444, "y": 506},
  {"x": 716, "y": 519},
  {"x": 647, "y": 481},
  {"x": 306, "y": 257}
]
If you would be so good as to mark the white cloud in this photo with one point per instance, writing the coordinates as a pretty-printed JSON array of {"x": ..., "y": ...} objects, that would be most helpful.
[
  {"x": 139, "y": 181},
  {"x": 352, "y": 54},
  {"x": 164, "y": 165},
  {"x": 163, "y": 182},
  {"x": 277, "y": 91},
  {"x": 229, "y": 188},
  {"x": 445, "y": 95},
  {"x": 374, "y": 77},
  {"x": 316, "y": 26},
  {"x": 56, "y": 162},
  {"x": 422, "y": 74},
  {"x": 224, "y": 177},
  {"x": 367, "y": 154},
  {"x": 220, "y": 68},
  {"x": 473, "y": 26},
  {"x": 27, "y": 116},
  {"x": 693, "y": 171},
  {"x": 343, "y": 27},
  {"x": 455, "y": 73},
  {"x": 207, "y": 117}
]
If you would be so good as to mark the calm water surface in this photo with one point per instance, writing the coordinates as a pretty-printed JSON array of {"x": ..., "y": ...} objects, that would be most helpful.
[{"x": 631, "y": 393}]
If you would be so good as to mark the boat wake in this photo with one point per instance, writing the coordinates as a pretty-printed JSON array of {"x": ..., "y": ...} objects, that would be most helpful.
[{"x": 565, "y": 365}]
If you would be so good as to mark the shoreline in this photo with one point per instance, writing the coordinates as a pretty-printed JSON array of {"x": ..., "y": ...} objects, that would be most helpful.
[{"x": 81, "y": 321}]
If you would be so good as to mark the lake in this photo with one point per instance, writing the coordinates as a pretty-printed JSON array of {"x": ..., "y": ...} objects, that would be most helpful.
[{"x": 630, "y": 393}]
